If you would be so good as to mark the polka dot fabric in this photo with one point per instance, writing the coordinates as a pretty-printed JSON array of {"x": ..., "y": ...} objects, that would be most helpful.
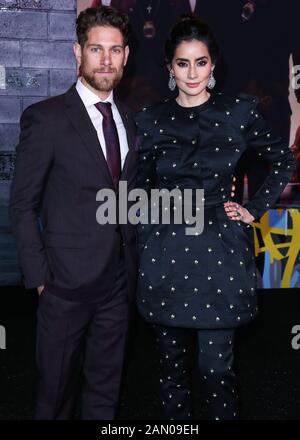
[{"x": 204, "y": 281}]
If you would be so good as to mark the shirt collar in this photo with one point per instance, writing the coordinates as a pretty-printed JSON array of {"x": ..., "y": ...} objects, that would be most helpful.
[{"x": 90, "y": 98}]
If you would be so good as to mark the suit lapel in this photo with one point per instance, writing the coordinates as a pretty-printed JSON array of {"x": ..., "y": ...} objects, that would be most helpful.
[{"x": 80, "y": 120}]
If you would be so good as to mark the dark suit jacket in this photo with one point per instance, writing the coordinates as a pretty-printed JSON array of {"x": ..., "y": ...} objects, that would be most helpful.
[{"x": 60, "y": 167}]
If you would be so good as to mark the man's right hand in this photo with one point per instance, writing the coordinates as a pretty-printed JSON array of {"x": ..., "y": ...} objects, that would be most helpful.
[{"x": 40, "y": 289}]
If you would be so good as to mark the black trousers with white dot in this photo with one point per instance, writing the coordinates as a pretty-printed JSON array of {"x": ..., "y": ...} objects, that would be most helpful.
[{"x": 215, "y": 360}]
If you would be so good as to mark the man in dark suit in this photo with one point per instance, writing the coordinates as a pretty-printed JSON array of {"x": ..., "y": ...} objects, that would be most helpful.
[{"x": 71, "y": 146}]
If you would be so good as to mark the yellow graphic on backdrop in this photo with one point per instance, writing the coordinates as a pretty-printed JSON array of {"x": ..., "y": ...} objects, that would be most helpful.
[{"x": 289, "y": 238}]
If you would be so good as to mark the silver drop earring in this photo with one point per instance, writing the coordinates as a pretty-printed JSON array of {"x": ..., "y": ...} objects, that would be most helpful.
[
  {"x": 172, "y": 82},
  {"x": 211, "y": 81}
]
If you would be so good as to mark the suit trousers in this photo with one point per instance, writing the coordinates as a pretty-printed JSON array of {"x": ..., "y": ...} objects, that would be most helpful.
[
  {"x": 81, "y": 344},
  {"x": 215, "y": 360}
]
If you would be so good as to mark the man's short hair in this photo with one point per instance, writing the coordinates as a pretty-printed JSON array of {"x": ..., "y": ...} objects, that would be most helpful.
[{"x": 101, "y": 16}]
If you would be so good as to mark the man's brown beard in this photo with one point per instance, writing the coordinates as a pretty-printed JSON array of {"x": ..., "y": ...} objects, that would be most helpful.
[{"x": 102, "y": 84}]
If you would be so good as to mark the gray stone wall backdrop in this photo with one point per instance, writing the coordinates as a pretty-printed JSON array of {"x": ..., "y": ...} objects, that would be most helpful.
[{"x": 36, "y": 61}]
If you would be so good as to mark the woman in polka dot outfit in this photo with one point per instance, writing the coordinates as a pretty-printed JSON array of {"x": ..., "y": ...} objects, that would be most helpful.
[{"x": 201, "y": 286}]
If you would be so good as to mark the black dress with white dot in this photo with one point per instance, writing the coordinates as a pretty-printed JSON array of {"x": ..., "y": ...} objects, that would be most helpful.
[
  {"x": 204, "y": 281},
  {"x": 201, "y": 284}
]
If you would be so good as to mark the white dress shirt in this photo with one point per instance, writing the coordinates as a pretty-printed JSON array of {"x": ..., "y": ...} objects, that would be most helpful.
[
  {"x": 193, "y": 5},
  {"x": 89, "y": 100},
  {"x": 106, "y": 2}
]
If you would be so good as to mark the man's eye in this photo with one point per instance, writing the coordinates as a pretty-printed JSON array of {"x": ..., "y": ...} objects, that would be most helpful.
[
  {"x": 116, "y": 50},
  {"x": 95, "y": 49}
]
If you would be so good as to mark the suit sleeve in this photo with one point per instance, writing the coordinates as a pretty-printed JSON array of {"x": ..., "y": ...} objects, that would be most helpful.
[
  {"x": 273, "y": 150},
  {"x": 33, "y": 163}
]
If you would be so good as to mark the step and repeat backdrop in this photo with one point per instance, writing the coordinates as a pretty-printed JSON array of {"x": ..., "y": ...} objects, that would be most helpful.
[{"x": 260, "y": 55}]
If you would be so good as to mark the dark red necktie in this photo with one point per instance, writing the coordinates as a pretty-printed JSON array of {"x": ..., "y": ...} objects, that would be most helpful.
[{"x": 113, "y": 155}]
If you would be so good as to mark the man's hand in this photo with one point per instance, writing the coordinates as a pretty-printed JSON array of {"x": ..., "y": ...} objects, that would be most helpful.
[
  {"x": 237, "y": 212},
  {"x": 40, "y": 289}
]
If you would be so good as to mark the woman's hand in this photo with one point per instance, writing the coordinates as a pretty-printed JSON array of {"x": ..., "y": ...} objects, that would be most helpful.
[{"x": 237, "y": 212}]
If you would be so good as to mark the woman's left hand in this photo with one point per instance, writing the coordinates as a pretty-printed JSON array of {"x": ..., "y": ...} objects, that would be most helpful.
[{"x": 237, "y": 212}]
